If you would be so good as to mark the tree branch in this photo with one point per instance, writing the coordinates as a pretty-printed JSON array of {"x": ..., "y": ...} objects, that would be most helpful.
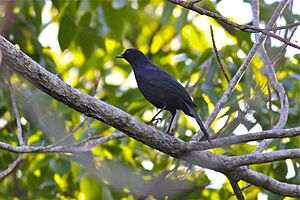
[
  {"x": 217, "y": 54},
  {"x": 195, "y": 146},
  {"x": 270, "y": 106},
  {"x": 237, "y": 190},
  {"x": 238, "y": 139},
  {"x": 245, "y": 28},
  {"x": 243, "y": 188},
  {"x": 265, "y": 157},
  {"x": 61, "y": 149},
  {"x": 259, "y": 179}
]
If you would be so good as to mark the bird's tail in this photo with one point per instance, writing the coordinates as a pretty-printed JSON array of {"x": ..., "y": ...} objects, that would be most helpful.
[{"x": 192, "y": 111}]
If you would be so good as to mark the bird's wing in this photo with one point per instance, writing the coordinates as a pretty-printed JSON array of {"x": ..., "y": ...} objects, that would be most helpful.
[{"x": 160, "y": 79}]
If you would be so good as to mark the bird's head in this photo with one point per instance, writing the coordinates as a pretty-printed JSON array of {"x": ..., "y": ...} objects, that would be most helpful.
[{"x": 134, "y": 57}]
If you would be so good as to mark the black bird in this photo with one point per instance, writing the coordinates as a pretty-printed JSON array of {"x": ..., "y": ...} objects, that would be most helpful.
[{"x": 160, "y": 88}]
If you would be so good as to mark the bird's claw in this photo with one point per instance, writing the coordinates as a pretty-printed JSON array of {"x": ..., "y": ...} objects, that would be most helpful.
[
  {"x": 156, "y": 120},
  {"x": 169, "y": 133}
]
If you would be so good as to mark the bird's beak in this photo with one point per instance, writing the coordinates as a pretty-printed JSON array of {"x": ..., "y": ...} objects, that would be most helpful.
[{"x": 119, "y": 56}]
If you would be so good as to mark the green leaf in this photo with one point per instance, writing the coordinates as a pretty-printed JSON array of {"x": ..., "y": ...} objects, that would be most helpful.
[
  {"x": 167, "y": 13},
  {"x": 116, "y": 23},
  {"x": 87, "y": 40},
  {"x": 87, "y": 36},
  {"x": 85, "y": 19},
  {"x": 38, "y": 12},
  {"x": 90, "y": 188},
  {"x": 60, "y": 166},
  {"x": 181, "y": 20},
  {"x": 2, "y": 110},
  {"x": 66, "y": 32}
]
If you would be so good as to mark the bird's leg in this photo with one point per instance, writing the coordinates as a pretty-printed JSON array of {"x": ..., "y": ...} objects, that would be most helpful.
[
  {"x": 173, "y": 112},
  {"x": 157, "y": 121},
  {"x": 154, "y": 118}
]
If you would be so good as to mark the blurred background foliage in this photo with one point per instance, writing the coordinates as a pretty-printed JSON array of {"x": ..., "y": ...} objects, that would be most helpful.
[{"x": 77, "y": 41}]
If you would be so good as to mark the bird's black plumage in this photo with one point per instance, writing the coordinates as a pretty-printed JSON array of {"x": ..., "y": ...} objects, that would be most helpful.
[{"x": 160, "y": 88}]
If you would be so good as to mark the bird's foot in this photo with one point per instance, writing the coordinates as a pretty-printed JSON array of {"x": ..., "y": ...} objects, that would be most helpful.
[
  {"x": 156, "y": 120},
  {"x": 169, "y": 133}
]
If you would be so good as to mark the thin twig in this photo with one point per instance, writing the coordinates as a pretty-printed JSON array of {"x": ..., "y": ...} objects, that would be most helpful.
[
  {"x": 27, "y": 133},
  {"x": 255, "y": 13},
  {"x": 189, "y": 147},
  {"x": 270, "y": 106},
  {"x": 12, "y": 167},
  {"x": 16, "y": 111},
  {"x": 242, "y": 189},
  {"x": 285, "y": 41},
  {"x": 238, "y": 139},
  {"x": 89, "y": 129},
  {"x": 245, "y": 28},
  {"x": 292, "y": 25},
  {"x": 217, "y": 54},
  {"x": 89, "y": 120},
  {"x": 237, "y": 190},
  {"x": 283, "y": 49},
  {"x": 96, "y": 86},
  {"x": 62, "y": 149},
  {"x": 67, "y": 136},
  {"x": 99, "y": 141},
  {"x": 291, "y": 4},
  {"x": 83, "y": 141}
]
